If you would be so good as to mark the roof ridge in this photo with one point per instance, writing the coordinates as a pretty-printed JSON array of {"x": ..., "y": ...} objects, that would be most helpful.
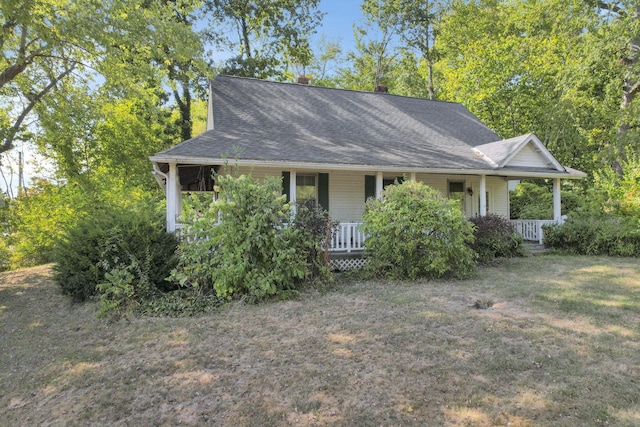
[{"x": 293, "y": 84}]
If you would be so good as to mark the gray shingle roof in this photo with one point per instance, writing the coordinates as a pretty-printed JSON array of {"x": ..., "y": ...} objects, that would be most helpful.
[
  {"x": 263, "y": 121},
  {"x": 291, "y": 122}
]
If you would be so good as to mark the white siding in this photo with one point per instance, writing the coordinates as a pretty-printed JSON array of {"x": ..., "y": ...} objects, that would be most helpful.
[
  {"x": 346, "y": 190},
  {"x": 529, "y": 157},
  {"x": 346, "y": 195},
  {"x": 499, "y": 196}
]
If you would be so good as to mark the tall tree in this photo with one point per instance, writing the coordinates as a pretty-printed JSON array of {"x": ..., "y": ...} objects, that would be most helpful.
[
  {"x": 416, "y": 23},
  {"x": 623, "y": 19},
  {"x": 517, "y": 65},
  {"x": 45, "y": 42},
  {"x": 266, "y": 36}
]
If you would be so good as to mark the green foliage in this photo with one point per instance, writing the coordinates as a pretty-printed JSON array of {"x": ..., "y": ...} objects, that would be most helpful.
[
  {"x": 178, "y": 303},
  {"x": 126, "y": 252},
  {"x": 533, "y": 201},
  {"x": 123, "y": 44},
  {"x": 414, "y": 231},
  {"x": 621, "y": 190},
  {"x": 313, "y": 225},
  {"x": 240, "y": 244},
  {"x": 38, "y": 217},
  {"x": 269, "y": 35},
  {"x": 117, "y": 292},
  {"x": 533, "y": 67},
  {"x": 596, "y": 235},
  {"x": 5, "y": 261},
  {"x": 494, "y": 237}
]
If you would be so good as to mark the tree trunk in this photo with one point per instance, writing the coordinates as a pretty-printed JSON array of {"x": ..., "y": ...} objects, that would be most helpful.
[{"x": 630, "y": 87}]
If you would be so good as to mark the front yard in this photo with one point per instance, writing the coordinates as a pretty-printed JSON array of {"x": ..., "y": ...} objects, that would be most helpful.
[{"x": 559, "y": 345}]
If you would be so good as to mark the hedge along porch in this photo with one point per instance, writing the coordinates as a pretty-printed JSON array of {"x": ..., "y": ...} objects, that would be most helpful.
[{"x": 339, "y": 147}]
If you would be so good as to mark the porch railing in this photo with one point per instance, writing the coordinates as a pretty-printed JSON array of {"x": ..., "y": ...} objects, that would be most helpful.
[
  {"x": 531, "y": 229},
  {"x": 347, "y": 237}
]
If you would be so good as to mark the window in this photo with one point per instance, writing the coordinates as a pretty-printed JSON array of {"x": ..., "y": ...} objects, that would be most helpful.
[
  {"x": 306, "y": 190},
  {"x": 456, "y": 192}
]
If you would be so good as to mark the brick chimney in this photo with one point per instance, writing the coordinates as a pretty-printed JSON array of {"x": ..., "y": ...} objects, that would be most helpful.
[
  {"x": 381, "y": 89},
  {"x": 303, "y": 80}
]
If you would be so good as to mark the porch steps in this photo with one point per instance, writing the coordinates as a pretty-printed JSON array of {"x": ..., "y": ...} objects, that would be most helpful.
[{"x": 532, "y": 248}]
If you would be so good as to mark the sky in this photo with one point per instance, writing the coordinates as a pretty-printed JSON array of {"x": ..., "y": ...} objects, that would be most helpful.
[
  {"x": 337, "y": 26},
  {"x": 339, "y": 19}
]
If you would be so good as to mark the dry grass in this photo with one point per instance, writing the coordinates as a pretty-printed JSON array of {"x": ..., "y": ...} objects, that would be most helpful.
[{"x": 559, "y": 347}]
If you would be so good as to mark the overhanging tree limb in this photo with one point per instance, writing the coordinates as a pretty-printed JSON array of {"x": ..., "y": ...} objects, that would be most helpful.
[{"x": 7, "y": 144}]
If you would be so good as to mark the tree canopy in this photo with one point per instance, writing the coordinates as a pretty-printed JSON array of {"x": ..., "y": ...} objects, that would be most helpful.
[{"x": 98, "y": 86}]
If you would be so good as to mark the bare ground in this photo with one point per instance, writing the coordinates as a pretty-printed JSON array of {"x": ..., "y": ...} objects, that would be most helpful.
[{"x": 559, "y": 347}]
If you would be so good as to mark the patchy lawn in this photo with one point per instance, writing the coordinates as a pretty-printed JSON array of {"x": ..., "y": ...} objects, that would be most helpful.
[{"x": 558, "y": 346}]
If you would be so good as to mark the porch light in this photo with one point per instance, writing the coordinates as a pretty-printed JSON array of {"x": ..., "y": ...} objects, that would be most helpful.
[{"x": 470, "y": 191}]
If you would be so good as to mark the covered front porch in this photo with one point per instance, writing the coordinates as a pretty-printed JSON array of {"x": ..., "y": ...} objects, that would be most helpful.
[
  {"x": 349, "y": 238},
  {"x": 343, "y": 194}
]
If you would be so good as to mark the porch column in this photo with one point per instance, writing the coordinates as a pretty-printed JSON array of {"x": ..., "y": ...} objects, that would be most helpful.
[
  {"x": 292, "y": 189},
  {"x": 483, "y": 195},
  {"x": 378, "y": 185},
  {"x": 557, "y": 203},
  {"x": 412, "y": 177},
  {"x": 172, "y": 192}
]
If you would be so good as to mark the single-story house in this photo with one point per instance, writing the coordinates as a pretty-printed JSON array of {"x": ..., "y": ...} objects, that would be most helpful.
[{"x": 338, "y": 147}]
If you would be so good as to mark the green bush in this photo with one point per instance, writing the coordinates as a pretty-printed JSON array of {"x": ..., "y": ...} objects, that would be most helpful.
[
  {"x": 313, "y": 224},
  {"x": 494, "y": 237},
  {"x": 596, "y": 235},
  {"x": 241, "y": 244},
  {"x": 38, "y": 217},
  {"x": 414, "y": 231},
  {"x": 5, "y": 255},
  {"x": 121, "y": 248}
]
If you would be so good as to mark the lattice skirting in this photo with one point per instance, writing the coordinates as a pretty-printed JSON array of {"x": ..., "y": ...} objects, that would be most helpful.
[{"x": 347, "y": 264}]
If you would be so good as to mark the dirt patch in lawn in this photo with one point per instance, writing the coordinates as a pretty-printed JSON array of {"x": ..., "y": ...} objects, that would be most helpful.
[{"x": 559, "y": 346}]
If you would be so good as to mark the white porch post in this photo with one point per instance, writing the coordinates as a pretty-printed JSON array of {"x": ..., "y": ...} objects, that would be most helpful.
[
  {"x": 557, "y": 203},
  {"x": 172, "y": 194},
  {"x": 292, "y": 189},
  {"x": 412, "y": 177},
  {"x": 483, "y": 195},
  {"x": 378, "y": 185}
]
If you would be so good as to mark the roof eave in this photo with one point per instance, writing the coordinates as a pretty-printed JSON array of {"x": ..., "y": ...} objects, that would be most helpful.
[{"x": 365, "y": 167}]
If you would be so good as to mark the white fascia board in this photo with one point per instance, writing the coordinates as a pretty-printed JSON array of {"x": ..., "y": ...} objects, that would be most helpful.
[
  {"x": 559, "y": 174},
  {"x": 361, "y": 168}
]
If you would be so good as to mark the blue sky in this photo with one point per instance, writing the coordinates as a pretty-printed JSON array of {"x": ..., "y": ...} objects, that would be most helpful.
[{"x": 338, "y": 21}]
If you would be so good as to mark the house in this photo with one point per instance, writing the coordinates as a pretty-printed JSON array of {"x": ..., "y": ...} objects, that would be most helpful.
[{"x": 338, "y": 147}]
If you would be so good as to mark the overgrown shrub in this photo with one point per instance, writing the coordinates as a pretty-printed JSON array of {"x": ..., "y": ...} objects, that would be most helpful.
[
  {"x": 314, "y": 226},
  {"x": 242, "y": 243},
  {"x": 494, "y": 237},
  {"x": 415, "y": 231},
  {"x": 596, "y": 235},
  {"x": 128, "y": 253}
]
